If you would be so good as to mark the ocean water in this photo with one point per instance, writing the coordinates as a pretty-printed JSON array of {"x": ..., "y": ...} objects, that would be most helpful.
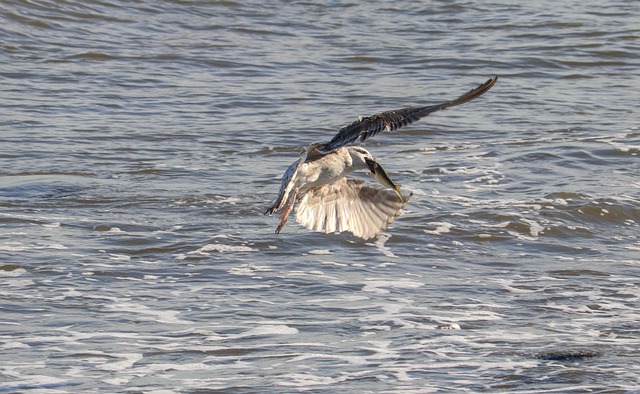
[{"x": 140, "y": 143}]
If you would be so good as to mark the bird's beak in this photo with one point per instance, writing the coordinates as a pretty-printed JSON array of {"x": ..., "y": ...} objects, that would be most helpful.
[
  {"x": 372, "y": 164},
  {"x": 381, "y": 176}
]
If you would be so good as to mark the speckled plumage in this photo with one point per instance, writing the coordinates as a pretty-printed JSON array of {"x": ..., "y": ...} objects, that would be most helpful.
[{"x": 330, "y": 202}]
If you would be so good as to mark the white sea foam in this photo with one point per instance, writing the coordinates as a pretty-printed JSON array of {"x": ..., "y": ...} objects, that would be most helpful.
[
  {"x": 309, "y": 379},
  {"x": 320, "y": 251},
  {"x": 119, "y": 257},
  {"x": 37, "y": 384},
  {"x": 13, "y": 273},
  {"x": 334, "y": 263},
  {"x": 379, "y": 243},
  {"x": 440, "y": 228},
  {"x": 535, "y": 228},
  {"x": 381, "y": 286},
  {"x": 222, "y": 248},
  {"x": 160, "y": 316},
  {"x": 13, "y": 345},
  {"x": 271, "y": 329},
  {"x": 450, "y": 326},
  {"x": 21, "y": 247},
  {"x": 507, "y": 284},
  {"x": 484, "y": 223},
  {"x": 355, "y": 360},
  {"x": 129, "y": 359},
  {"x": 118, "y": 381},
  {"x": 249, "y": 269}
]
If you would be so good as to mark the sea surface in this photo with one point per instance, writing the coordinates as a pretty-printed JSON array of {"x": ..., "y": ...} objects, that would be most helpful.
[{"x": 141, "y": 141}]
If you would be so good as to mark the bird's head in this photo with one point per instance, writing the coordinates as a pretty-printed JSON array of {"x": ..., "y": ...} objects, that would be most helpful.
[{"x": 361, "y": 159}]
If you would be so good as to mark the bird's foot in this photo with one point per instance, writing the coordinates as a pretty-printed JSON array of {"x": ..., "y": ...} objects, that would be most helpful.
[{"x": 280, "y": 226}]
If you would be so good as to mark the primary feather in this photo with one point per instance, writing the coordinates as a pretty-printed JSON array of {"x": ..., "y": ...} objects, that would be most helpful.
[{"x": 369, "y": 126}]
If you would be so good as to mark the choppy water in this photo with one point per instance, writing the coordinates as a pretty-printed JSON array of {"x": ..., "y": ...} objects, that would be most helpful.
[{"x": 140, "y": 142}]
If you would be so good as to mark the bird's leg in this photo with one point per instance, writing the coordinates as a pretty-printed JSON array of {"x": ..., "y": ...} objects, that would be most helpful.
[{"x": 287, "y": 210}]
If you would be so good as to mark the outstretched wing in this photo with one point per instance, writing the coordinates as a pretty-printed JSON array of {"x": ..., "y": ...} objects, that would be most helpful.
[
  {"x": 349, "y": 205},
  {"x": 369, "y": 126}
]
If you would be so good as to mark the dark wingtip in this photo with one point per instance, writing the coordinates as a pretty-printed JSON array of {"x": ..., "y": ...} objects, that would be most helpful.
[
  {"x": 492, "y": 81},
  {"x": 482, "y": 89},
  {"x": 473, "y": 93},
  {"x": 489, "y": 84}
]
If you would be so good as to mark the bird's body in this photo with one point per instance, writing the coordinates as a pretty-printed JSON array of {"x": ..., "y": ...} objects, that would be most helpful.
[
  {"x": 328, "y": 200},
  {"x": 326, "y": 169}
]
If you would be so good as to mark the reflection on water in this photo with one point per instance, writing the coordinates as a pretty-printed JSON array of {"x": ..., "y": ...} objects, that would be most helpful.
[{"x": 140, "y": 144}]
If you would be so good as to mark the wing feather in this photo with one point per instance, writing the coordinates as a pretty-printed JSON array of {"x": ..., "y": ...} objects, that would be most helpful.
[
  {"x": 349, "y": 205},
  {"x": 287, "y": 183},
  {"x": 369, "y": 126}
]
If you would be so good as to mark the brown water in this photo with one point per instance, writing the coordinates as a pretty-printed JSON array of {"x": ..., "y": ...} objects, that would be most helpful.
[{"x": 140, "y": 142}]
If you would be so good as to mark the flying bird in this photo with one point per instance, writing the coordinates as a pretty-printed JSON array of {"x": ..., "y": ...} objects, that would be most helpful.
[{"x": 327, "y": 199}]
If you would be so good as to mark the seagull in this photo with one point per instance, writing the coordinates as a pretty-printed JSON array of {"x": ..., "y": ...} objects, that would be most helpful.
[{"x": 329, "y": 201}]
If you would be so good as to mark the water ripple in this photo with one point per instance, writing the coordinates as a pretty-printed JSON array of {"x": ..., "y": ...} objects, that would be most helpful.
[{"x": 141, "y": 142}]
